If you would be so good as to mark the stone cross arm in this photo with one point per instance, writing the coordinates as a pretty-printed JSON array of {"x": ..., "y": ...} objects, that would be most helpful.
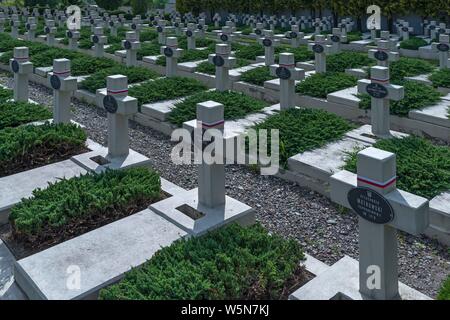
[
  {"x": 222, "y": 60},
  {"x": 315, "y": 47},
  {"x": 411, "y": 211},
  {"x": 287, "y": 72},
  {"x": 384, "y": 55},
  {"x": 171, "y": 51},
  {"x": 381, "y": 90}
]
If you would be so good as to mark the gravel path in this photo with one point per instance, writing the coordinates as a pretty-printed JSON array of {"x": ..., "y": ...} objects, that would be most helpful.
[{"x": 282, "y": 207}]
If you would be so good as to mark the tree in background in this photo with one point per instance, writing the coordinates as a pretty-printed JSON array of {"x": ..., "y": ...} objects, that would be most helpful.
[
  {"x": 139, "y": 6},
  {"x": 109, "y": 4}
]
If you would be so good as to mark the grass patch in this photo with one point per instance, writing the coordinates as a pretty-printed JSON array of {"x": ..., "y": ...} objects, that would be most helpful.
[
  {"x": 188, "y": 55},
  {"x": 444, "y": 293},
  {"x": 304, "y": 129},
  {"x": 5, "y": 94},
  {"x": 257, "y": 76},
  {"x": 250, "y": 52},
  {"x": 27, "y": 147},
  {"x": 319, "y": 85},
  {"x": 230, "y": 263},
  {"x": 209, "y": 68},
  {"x": 134, "y": 74},
  {"x": 300, "y": 54},
  {"x": 347, "y": 60},
  {"x": 413, "y": 43},
  {"x": 409, "y": 67},
  {"x": 81, "y": 198},
  {"x": 422, "y": 168},
  {"x": 13, "y": 114},
  {"x": 237, "y": 105},
  {"x": 165, "y": 89},
  {"x": 417, "y": 96},
  {"x": 148, "y": 49},
  {"x": 440, "y": 78}
]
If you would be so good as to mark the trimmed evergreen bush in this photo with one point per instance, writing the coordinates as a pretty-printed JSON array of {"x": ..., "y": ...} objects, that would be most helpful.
[
  {"x": 319, "y": 85},
  {"x": 444, "y": 293},
  {"x": 347, "y": 60},
  {"x": 13, "y": 114},
  {"x": 409, "y": 67},
  {"x": 441, "y": 78},
  {"x": 257, "y": 76},
  {"x": 413, "y": 43}
]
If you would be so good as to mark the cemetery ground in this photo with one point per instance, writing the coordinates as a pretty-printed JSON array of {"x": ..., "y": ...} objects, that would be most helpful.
[{"x": 322, "y": 229}]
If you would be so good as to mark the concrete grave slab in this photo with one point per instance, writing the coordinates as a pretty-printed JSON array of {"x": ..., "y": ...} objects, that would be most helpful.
[
  {"x": 160, "y": 110},
  {"x": 189, "y": 66},
  {"x": 150, "y": 59},
  {"x": 8, "y": 289},
  {"x": 43, "y": 71},
  {"x": 440, "y": 218},
  {"x": 346, "y": 96},
  {"x": 235, "y": 74},
  {"x": 437, "y": 114},
  {"x": 421, "y": 78}
]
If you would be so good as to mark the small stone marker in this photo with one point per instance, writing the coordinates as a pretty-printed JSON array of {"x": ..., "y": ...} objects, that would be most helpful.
[
  {"x": 2, "y": 24},
  {"x": 317, "y": 26},
  {"x": 381, "y": 92},
  {"x": 297, "y": 37},
  {"x": 405, "y": 30},
  {"x": 178, "y": 26},
  {"x": 99, "y": 40},
  {"x": 131, "y": 45},
  {"x": 201, "y": 28},
  {"x": 443, "y": 48},
  {"x": 226, "y": 35},
  {"x": 259, "y": 29},
  {"x": 119, "y": 107},
  {"x": 172, "y": 53},
  {"x": 31, "y": 28},
  {"x": 113, "y": 25},
  {"x": 50, "y": 31},
  {"x": 224, "y": 62},
  {"x": 321, "y": 50},
  {"x": 191, "y": 33},
  {"x": 383, "y": 55},
  {"x": 432, "y": 29},
  {"x": 269, "y": 43},
  {"x": 162, "y": 31},
  {"x": 15, "y": 23},
  {"x": 63, "y": 86},
  {"x": 288, "y": 74},
  {"x": 73, "y": 37},
  {"x": 211, "y": 177},
  {"x": 382, "y": 209},
  {"x": 336, "y": 38},
  {"x": 136, "y": 26},
  {"x": 21, "y": 68}
]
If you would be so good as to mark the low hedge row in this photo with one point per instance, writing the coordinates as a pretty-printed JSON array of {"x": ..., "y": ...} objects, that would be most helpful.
[
  {"x": 5, "y": 94},
  {"x": 413, "y": 43},
  {"x": 257, "y": 76},
  {"x": 25, "y": 146},
  {"x": 85, "y": 196},
  {"x": 250, "y": 52},
  {"x": 230, "y": 263},
  {"x": 188, "y": 55},
  {"x": 134, "y": 74},
  {"x": 13, "y": 114},
  {"x": 319, "y": 85},
  {"x": 422, "y": 168},
  {"x": 440, "y": 78},
  {"x": 444, "y": 293},
  {"x": 304, "y": 129},
  {"x": 165, "y": 89},
  {"x": 300, "y": 54},
  {"x": 347, "y": 60},
  {"x": 237, "y": 105},
  {"x": 209, "y": 68},
  {"x": 409, "y": 67},
  {"x": 417, "y": 96}
]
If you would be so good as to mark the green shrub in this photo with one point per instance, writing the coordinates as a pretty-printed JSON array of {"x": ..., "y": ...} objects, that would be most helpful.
[
  {"x": 321, "y": 84},
  {"x": 86, "y": 65},
  {"x": 45, "y": 58},
  {"x": 165, "y": 89},
  {"x": 148, "y": 49},
  {"x": 441, "y": 78},
  {"x": 300, "y": 54},
  {"x": 188, "y": 55},
  {"x": 230, "y": 263},
  {"x": 250, "y": 52},
  {"x": 13, "y": 114},
  {"x": 422, "y": 168},
  {"x": 92, "y": 194},
  {"x": 347, "y": 60},
  {"x": 409, "y": 67},
  {"x": 413, "y": 43},
  {"x": 209, "y": 68},
  {"x": 237, "y": 105},
  {"x": 417, "y": 96},
  {"x": 113, "y": 48},
  {"x": 304, "y": 129},
  {"x": 85, "y": 43},
  {"x": 38, "y": 145},
  {"x": 148, "y": 35},
  {"x": 444, "y": 293},
  {"x": 134, "y": 74},
  {"x": 257, "y": 76},
  {"x": 5, "y": 94},
  {"x": 356, "y": 36}
]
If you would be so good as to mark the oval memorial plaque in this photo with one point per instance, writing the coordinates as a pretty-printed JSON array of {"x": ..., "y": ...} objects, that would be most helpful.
[
  {"x": 318, "y": 48},
  {"x": 343, "y": 25},
  {"x": 292, "y": 23},
  {"x": 133, "y": 26},
  {"x": 443, "y": 47},
  {"x": 283, "y": 73},
  {"x": 405, "y": 29},
  {"x": 441, "y": 30},
  {"x": 224, "y": 37},
  {"x": 316, "y": 24},
  {"x": 15, "y": 66},
  {"x": 47, "y": 30},
  {"x": 55, "y": 82},
  {"x": 69, "y": 34},
  {"x": 381, "y": 55},
  {"x": 189, "y": 33},
  {"x": 12, "y": 23},
  {"x": 28, "y": 26},
  {"x": 258, "y": 32},
  {"x": 218, "y": 61},
  {"x": 377, "y": 90},
  {"x": 335, "y": 38},
  {"x": 95, "y": 39},
  {"x": 432, "y": 27},
  {"x": 111, "y": 24},
  {"x": 159, "y": 29},
  {"x": 110, "y": 104},
  {"x": 92, "y": 21},
  {"x": 200, "y": 27},
  {"x": 168, "y": 52},
  {"x": 267, "y": 43},
  {"x": 155, "y": 23},
  {"x": 370, "y": 205},
  {"x": 127, "y": 45},
  {"x": 176, "y": 25},
  {"x": 293, "y": 35}
]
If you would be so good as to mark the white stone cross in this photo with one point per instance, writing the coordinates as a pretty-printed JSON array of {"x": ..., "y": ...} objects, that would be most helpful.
[
  {"x": 99, "y": 41},
  {"x": 73, "y": 37},
  {"x": 283, "y": 21},
  {"x": 172, "y": 53},
  {"x": 297, "y": 37},
  {"x": 224, "y": 62},
  {"x": 383, "y": 55},
  {"x": 288, "y": 74},
  {"x": 259, "y": 29},
  {"x": 191, "y": 34},
  {"x": 382, "y": 209},
  {"x": 321, "y": 50},
  {"x": 381, "y": 92},
  {"x": 131, "y": 44},
  {"x": 136, "y": 26},
  {"x": 442, "y": 47},
  {"x": 317, "y": 26},
  {"x": 178, "y": 25},
  {"x": 50, "y": 31},
  {"x": 15, "y": 23},
  {"x": 21, "y": 67},
  {"x": 113, "y": 25},
  {"x": 31, "y": 28},
  {"x": 269, "y": 43},
  {"x": 162, "y": 31},
  {"x": 211, "y": 176},
  {"x": 405, "y": 30},
  {"x": 119, "y": 107},
  {"x": 63, "y": 86},
  {"x": 201, "y": 28},
  {"x": 336, "y": 38},
  {"x": 432, "y": 29},
  {"x": 440, "y": 30},
  {"x": 398, "y": 26},
  {"x": 226, "y": 35}
]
